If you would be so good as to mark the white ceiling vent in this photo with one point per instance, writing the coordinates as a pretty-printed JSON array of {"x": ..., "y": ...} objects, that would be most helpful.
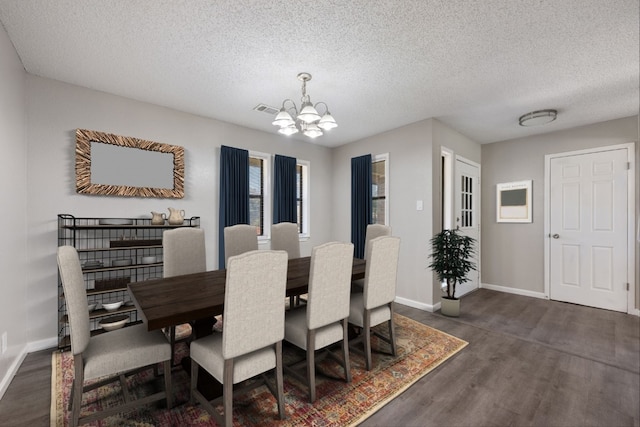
[{"x": 265, "y": 109}]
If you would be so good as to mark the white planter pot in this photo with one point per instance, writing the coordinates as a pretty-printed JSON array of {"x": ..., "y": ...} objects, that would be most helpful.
[{"x": 450, "y": 307}]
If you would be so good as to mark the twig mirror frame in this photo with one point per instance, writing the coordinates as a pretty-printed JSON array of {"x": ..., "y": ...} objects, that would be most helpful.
[{"x": 84, "y": 185}]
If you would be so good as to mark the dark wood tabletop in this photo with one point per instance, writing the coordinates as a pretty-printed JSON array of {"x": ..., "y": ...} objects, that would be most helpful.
[{"x": 180, "y": 299}]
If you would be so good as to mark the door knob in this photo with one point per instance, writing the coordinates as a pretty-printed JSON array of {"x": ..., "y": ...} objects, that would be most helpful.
[{"x": 556, "y": 236}]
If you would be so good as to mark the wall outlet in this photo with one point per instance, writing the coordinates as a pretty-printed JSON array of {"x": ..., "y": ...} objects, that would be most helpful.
[{"x": 4, "y": 342}]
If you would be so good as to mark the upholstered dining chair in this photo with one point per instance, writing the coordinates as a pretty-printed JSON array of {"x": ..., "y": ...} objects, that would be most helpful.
[
  {"x": 285, "y": 237},
  {"x": 238, "y": 239},
  {"x": 251, "y": 341},
  {"x": 375, "y": 304},
  {"x": 111, "y": 354},
  {"x": 323, "y": 321},
  {"x": 373, "y": 231},
  {"x": 183, "y": 252}
]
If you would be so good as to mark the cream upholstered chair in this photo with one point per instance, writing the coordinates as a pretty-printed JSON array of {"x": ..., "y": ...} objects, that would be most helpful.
[
  {"x": 323, "y": 321},
  {"x": 110, "y": 354},
  {"x": 285, "y": 237},
  {"x": 251, "y": 341},
  {"x": 373, "y": 231},
  {"x": 375, "y": 304},
  {"x": 183, "y": 252},
  {"x": 238, "y": 239}
]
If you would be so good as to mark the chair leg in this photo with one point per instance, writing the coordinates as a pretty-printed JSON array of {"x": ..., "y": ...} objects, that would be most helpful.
[
  {"x": 366, "y": 330},
  {"x": 78, "y": 381},
  {"x": 227, "y": 392},
  {"x": 194, "y": 381},
  {"x": 167, "y": 383},
  {"x": 172, "y": 340},
  {"x": 311, "y": 364},
  {"x": 280, "y": 381},
  {"x": 392, "y": 332},
  {"x": 345, "y": 349}
]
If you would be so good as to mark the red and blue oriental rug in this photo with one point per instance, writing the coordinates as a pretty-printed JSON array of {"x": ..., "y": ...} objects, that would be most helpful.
[{"x": 420, "y": 350}]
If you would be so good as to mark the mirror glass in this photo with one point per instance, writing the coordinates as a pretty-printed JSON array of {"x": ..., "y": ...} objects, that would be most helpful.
[{"x": 114, "y": 165}]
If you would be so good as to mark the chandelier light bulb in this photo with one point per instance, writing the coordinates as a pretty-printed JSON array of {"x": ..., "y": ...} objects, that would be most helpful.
[
  {"x": 283, "y": 119},
  {"x": 288, "y": 130},
  {"x": 327, "y": 122}
]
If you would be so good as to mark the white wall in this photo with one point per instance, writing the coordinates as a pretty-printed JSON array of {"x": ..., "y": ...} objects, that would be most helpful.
[
  {"x": 55, "y": 110},
  {"x": 414, "y": 174},
  {"x": 13, "y": 189},
  {"x": 514, "y": 253}
]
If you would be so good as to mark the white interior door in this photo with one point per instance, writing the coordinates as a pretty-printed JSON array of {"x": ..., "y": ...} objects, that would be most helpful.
[
  {"x": 466, "y": 196},
  {"x": 588, "y": 229}
]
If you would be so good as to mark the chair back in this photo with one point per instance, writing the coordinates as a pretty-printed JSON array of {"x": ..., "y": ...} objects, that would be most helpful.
[
  {"x": 75, "y": 296},
  {"x": 238, "y": 239},
  {"x": 183, "y": 252},
  {"x": 284, "y": 237},
  {"x": 381, "y": 271},
  {"x": 374, "y": 231},
  {"x": 329, "y": 284},
  {"x": 254, "y": 302}
]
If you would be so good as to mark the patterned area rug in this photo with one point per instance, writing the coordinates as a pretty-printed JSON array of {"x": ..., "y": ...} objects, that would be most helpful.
[{"x": 420, "y": 350}]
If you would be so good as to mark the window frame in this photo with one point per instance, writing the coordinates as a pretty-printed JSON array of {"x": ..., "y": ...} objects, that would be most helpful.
[
  {"x": 266, "y": 194},
  {"x": 374, "y": 159},
  {"x": 305, "y": 232}
]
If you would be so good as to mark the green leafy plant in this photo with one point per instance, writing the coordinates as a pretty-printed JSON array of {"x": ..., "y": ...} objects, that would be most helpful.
[{"x": 451, "y": 254}]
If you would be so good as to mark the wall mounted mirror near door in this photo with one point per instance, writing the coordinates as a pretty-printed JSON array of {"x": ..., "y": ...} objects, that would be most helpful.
[{"x": 114, "y": 165}]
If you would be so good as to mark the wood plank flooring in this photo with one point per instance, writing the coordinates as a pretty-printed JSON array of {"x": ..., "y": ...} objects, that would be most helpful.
[{"x": 529, "y": 362}]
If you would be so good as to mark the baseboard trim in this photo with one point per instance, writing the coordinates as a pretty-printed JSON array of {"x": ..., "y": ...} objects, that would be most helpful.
[
  {"x": 12, "y": 371},
  {"x": 418, "y": 305},
  {"x": 42, "y": 344},
  {"x": 516, "y": 291}
]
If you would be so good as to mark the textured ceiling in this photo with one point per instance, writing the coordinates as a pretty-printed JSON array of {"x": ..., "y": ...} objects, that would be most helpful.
[{"x": 476, "y": 65}]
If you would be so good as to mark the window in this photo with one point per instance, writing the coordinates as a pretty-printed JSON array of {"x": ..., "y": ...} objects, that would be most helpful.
[
  {"x": 302, "y": 196},
  {"x": 259, "y": 193},
  {"x": 380, "y": 189}
]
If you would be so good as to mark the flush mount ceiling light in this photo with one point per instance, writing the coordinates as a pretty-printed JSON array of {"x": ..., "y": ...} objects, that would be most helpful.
[
  {"x": 307, "y": 120},
  {"x": 536, "y": 118}
]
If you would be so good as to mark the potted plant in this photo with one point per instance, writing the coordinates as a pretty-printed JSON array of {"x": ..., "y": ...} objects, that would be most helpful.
[{"x": 452, "y": 253}]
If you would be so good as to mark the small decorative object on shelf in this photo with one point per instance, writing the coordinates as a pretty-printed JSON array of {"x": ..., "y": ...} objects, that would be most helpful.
[
  {"x": 176, "y": 217},
  {"x": 158, "y": 218},
  {"x": 113, "y": 252}
]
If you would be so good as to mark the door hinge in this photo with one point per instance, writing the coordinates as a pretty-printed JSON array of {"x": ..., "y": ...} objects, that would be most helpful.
[
  {"x": 628, "y": 165},
  {"x": 627, "y": 286}
]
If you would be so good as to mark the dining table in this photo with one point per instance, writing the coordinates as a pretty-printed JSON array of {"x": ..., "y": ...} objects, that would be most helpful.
[{"x": 196, "y": 298}]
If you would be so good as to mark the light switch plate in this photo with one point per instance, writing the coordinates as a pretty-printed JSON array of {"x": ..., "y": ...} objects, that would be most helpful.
[{"x": 419, "y": 205}]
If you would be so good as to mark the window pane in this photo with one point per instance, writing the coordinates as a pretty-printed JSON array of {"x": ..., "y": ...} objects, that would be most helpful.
[
  {"x": 255, "y": 176},
  {"x": 378, "y": 179},
  {"x": 378, "y": 211},
  {"x": 256, "y": 193},
  {"x": 378, "y": 191}
]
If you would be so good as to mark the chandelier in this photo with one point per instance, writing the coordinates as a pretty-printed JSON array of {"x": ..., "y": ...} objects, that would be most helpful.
[{"x": 307, "y": 120}]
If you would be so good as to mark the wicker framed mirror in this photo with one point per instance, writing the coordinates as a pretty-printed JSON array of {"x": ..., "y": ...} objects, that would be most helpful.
[{"x": 114, "y": 165}]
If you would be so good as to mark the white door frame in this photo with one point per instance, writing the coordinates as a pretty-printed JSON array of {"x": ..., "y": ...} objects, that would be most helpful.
[
  {"x": 448, "y": 205},
  {"x": 631, "y": 274},
  {"x": 478, "y": 212}
]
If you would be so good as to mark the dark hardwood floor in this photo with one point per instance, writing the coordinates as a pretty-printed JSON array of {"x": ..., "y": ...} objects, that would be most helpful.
[{"x": 529, "y": 362}]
